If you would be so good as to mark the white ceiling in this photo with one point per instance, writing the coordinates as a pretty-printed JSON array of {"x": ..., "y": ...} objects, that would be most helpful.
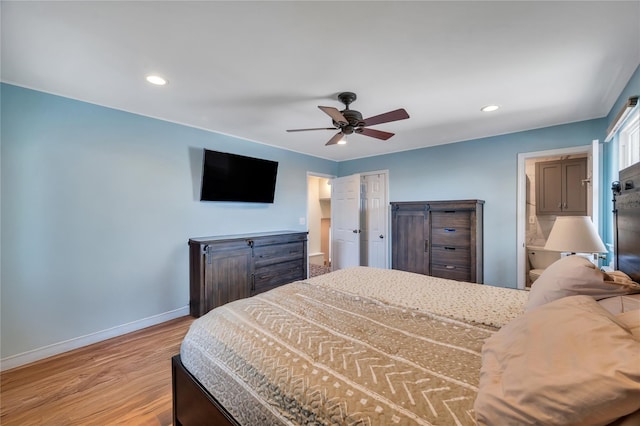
[{"x": 255, "y": 69}]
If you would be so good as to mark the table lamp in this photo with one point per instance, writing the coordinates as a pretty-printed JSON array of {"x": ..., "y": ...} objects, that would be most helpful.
[{"x": 575, "y": 234}]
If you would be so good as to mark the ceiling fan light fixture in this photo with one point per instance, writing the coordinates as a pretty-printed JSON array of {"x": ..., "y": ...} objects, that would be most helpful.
[
  {"x": 490, "y": 108},
  {"x": 156, "y": 79},
  {"x": 349, "y": 121}
]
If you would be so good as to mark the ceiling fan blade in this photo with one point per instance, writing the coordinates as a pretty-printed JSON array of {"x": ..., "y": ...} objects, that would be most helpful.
[
  {"x": 378, "y": 134},
  {"x": 317, "y": 128},
  {"x": 334, "y": 114},
  {"x": 398, "y": 114},
  {"x": 335, "y": 139}
]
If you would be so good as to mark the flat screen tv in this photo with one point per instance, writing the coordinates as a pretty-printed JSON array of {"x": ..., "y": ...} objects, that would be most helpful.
[{"x": 232, "y": 177}]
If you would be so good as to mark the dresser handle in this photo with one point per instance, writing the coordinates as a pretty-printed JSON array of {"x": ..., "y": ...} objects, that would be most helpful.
[
  {"x": 450, "y": 267},
  {"x": 449, "y": 229},
  {"x": 449, "y": 248}
]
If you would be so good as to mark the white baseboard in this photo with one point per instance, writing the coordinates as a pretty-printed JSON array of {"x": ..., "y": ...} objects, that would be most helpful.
[{"x": 78, "y": 342}]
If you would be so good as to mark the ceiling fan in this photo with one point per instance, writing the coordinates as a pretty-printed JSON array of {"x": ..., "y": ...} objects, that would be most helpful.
[{"x": 350, "y": 121}]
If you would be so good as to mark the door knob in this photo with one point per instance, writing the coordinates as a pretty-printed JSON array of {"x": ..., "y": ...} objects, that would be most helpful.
[{"x": 381, "y": 236}]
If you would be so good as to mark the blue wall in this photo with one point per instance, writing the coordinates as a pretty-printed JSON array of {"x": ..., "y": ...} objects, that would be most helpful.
[
  {"x": 485, "y": 169},
  {"x": 97, "y": 207}
]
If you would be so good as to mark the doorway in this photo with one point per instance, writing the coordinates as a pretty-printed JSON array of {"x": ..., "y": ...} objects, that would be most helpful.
[
  {"x": 532, "y": 229},
  {"x": 336, "y": 207},
  {"x": 318, "y": 224},
  {"x": 360, "y": 227}
]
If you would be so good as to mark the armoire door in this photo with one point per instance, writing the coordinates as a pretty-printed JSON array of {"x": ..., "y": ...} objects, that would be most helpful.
[
  {"x": 227, "y": 276},
  {"x": 410, "y": 237}
]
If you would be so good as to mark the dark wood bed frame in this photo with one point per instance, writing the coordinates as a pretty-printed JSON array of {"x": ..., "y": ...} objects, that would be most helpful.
[
  {"x": 626, "y": 209},
  {"x": 192, "y": 403},
  {"x": 194, "y": 406}
]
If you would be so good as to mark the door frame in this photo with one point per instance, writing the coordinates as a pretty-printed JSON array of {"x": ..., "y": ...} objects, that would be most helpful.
[{"x": 595, "y": 150}]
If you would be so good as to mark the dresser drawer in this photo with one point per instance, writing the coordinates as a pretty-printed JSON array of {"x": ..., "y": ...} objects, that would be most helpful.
[
  {"x": 268, "y": 277},
  {"x": 449, "y": 255},
  {"x": 451, "y": 236},
  {"x": 451, "y": 218},
  {"x": 268, "y": 255},
  {"x": 451, "y": 272}
]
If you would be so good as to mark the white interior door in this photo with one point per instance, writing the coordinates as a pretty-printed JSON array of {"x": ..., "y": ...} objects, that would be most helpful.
[
  {"x": 374, "y": 221},
  {"x": 345, "y": 222}
]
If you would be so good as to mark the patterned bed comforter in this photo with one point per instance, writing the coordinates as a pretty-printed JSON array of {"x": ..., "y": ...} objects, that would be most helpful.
[{"x": 323, "y": 352}]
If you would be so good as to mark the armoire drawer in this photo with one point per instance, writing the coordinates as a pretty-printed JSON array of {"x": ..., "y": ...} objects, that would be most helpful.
[
  {"x": 451, "y": 236},
  {"x": 451, "y": 272},
  {"x": 449, "y": 255},
  {"x": 268, "y": 255},
  {"x": 268, "y": 277},
  {"x": 451, "y": 218}
]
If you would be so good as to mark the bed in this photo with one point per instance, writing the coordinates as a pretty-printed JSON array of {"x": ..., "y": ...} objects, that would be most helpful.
[{"x": 367, "y": 346}]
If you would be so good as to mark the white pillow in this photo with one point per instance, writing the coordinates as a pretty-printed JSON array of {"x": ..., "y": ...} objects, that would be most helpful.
[{"x": 575, "y": 275}]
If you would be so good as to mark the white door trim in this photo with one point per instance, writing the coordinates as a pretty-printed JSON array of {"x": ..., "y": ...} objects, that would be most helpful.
[{"x": 521, "y": 209}]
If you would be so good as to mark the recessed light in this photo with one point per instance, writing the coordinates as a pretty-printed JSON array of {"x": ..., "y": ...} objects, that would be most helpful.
[
  {"x": 156, "y": 79},
  {"x": 489, "y": 108}
]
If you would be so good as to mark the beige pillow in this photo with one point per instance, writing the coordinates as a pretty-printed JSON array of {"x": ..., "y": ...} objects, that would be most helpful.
[
  {"x": 569, "y": 362},
  {"x": 575, "y": 275}
]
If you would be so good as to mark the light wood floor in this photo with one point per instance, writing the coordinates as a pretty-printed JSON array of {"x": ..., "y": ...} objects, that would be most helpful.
[{"x": 124, "y": 380}]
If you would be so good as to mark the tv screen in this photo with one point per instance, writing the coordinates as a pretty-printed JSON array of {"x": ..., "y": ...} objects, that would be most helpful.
[{"x": 232, "y": 177}]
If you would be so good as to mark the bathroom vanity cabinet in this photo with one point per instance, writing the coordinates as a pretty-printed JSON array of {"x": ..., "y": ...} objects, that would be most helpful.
[
  {"x": 438, "y": 238},
  {"x": 560, "y": 187}
]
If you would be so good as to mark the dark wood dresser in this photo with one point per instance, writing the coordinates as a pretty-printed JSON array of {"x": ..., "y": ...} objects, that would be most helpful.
[
  {"x": 231, "y": 267},
  {"x": 438, "y": 238}
]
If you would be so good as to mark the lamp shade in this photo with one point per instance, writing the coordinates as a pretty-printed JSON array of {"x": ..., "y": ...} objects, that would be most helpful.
[{"x": 574, "y": 234}]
